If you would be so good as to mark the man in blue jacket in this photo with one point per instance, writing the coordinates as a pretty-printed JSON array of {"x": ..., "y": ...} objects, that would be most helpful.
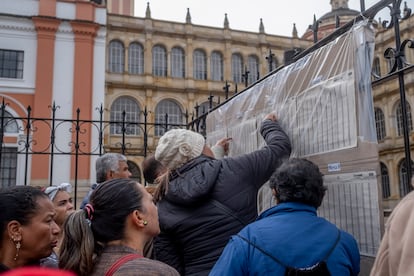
[{"x": 290, "y": 236}]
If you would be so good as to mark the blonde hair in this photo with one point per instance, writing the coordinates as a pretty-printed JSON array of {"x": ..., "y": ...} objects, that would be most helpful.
[{"x": 162, "y": 182}]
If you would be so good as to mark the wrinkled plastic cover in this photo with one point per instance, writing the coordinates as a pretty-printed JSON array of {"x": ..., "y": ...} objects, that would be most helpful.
[{"x": 324, "y": 102}]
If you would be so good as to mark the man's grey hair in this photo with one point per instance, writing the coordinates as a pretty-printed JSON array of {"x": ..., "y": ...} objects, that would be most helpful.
[{"x": 107, "y": 162}]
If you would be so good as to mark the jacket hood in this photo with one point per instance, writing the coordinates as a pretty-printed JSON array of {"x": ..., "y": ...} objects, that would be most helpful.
[{"x": 193, "y": 182}]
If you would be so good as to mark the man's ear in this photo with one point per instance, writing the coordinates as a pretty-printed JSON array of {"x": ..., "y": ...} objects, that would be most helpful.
[
  {"x": 14, "y": 230},
  {"x": 274, "y": 192},
  {"x": 109, "y": 175}
]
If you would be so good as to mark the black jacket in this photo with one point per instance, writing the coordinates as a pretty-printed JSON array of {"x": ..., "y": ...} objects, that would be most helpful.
[{"x": 209, "y": 200}]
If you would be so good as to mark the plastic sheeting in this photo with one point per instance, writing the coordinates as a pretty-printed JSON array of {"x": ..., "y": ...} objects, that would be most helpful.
[
  {"x": 323, "y": 100},
  {"x": 324, "y": 103}
]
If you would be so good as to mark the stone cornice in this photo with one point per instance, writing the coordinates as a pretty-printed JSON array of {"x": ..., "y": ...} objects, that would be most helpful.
[
  {"x": 19, "y": 24},
  {"x": 85, "y": 28},
  {"x": 47, "y": 24}
]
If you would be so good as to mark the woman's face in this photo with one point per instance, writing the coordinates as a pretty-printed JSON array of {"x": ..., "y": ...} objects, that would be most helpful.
[
  {"x": 150, "y": 212},
  {"x": 41, "y": 234},
  {"x": 63, "y": 206}
]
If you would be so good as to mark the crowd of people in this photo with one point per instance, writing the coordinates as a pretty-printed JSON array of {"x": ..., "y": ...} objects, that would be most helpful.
[{"x": 201, "y": 219}]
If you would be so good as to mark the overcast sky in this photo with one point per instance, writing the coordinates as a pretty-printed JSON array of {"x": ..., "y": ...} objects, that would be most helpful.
[{"x": 278, "y": 15}]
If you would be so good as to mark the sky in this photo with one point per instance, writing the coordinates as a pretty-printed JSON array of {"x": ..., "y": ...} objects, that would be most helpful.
[{"x": 278, "y": 15}]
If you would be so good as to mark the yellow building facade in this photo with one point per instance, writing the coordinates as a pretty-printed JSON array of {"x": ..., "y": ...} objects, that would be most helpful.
[
  {"x": 388, "y": 113},
  {"x": 171, "y": 67}
]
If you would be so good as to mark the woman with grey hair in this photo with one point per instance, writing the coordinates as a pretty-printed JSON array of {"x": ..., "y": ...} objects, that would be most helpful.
[{"x": 61, "y": 197}]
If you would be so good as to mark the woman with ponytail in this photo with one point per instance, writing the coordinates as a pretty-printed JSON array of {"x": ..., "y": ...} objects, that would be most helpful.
[{"x": 108, "y": 236}]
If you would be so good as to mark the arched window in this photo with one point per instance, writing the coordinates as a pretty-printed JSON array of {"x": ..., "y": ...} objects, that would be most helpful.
[
  {"x": 390, "y": 63},
  {"x": 159, "y": 61},
  {"x": 216, "y": 66},
  {"x": 136, "y": 58},
  {"x": 380, "y": 124},
  {"x": 376, "y": 68},
  {"x": 177, "y": 62},
  {"x": 237, "y": 67},
  {"x": 400, "y": 120},
  {"x": 132, "y": 114},
  {"x": 135, "y": 171},
  {"x": 9, "y": 123},
  {"x": 253, "y": 68},
  {"x": 116, "y": 57},
  {"x": 385, "y": 180},
  {"x": 199, "y": 65},
  {"x": 167, "y": 113},
  {"x": 405, "y": 186}
]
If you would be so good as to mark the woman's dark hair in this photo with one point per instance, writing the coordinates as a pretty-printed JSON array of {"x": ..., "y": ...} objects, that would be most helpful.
[
  {"x": 152, "y": 169},
  {"x": 18, "y": 203},
  {"x": 86, "y": 230},
  {"x": 298, "y": 180},
  {"x": 112, "y": 202}
]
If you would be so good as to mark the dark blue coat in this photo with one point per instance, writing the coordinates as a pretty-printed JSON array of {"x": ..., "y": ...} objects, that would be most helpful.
[
  {"x": 296, "y": 236},
  {"x": 195, "y": 226}
]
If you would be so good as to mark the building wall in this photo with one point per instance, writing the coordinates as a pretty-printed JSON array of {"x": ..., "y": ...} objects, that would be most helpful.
[
  {"x": 63, "y": 45},
  {"x": 124, "y": 7},
  {"x": 387, "y": 97},
  {"x": 148, "y": 90}
]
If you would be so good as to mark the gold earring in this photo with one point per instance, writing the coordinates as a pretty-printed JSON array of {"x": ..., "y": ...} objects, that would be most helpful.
[
  {"x": 145, "y": 222},
  {"x": 18, "y": 245}
]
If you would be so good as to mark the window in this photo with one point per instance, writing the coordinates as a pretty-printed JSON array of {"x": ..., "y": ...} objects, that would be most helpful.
[
  {"x": 135, "y": 58},
  {"x": 132, "y": 112},
  {"x": 405, "y": 186},
  {"x": 177, "y": 63},
  {"x": 159, "y": 61},
  {"x": 9, "y": 123},
  {"x": 376, "y": 68},
  {"x": 167, "y": 112},
  {"x": 400, "y": 120},
  {"x": 237, "y": 67},
  {"x": 253, "y": 68},
  {"x": 385, "y": 179},
  {"x": 199, "y": 65},
  {"x": 11, "y": 64},
  {"x": 116, "y": 57},
  {"x": 391, "y": 62},
  {"x": 8, "y": 167},
  {"x": 135, "y": 171},
  {"x": 380, "y": 124},
  {"x": 216, "y": 66}
]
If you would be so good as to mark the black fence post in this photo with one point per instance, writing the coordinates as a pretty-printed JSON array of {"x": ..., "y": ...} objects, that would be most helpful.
[
  {"x": 270, "y": 59},
  {"x": 28, "y": 130},
  {"x": 123, "y": 146},
  {"x": 145, "y": 131},
  {"x": 100, "y": 142},
  {"x": 2, "y": 126},
  {"x": 52, "y": 141}
]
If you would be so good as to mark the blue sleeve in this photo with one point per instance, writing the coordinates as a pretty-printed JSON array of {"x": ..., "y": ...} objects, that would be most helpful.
[
  {"x": 353, "y": 252},
  {"x": 233, "y": 259}
]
